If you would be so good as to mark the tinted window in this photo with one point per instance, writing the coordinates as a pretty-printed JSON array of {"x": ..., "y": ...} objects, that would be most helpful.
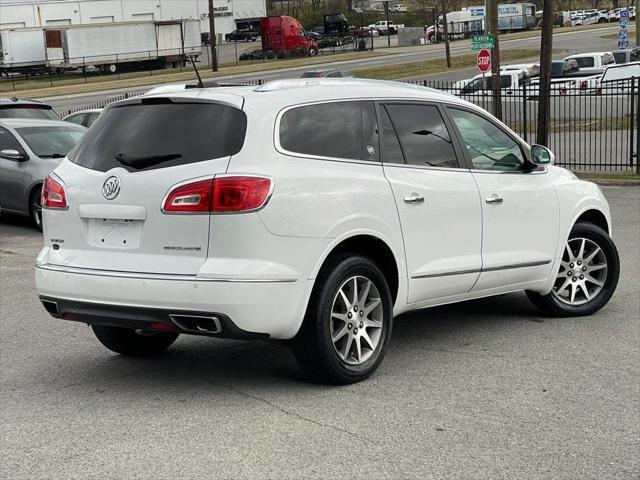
[
  {"x": 77, "y": 118},
  {"x": 51, "y": 142},
  {"x": 489, "y": 147},
  {"x": 8, "y": 141},
  {"x": 585, "y": 62},
  {"x": 424, "y": 138},
  {"x": 149, "y": 136},
  {"x": 392, "y": 151},
  {"x": 557, "y": 69},
  {"x": 28, "y": 111},
  {"x": 620, "y": 57},
  {"x": 607, "y": 59},
  {"x": 330, "y": 130}
]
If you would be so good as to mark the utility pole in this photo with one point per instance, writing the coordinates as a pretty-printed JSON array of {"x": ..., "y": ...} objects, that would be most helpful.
[
  {"x": 446, "y": 33},
  {"x": 491, "y": 28},
  {"x": 212, "y": 37},
  {"x": 544, "y": 96}
]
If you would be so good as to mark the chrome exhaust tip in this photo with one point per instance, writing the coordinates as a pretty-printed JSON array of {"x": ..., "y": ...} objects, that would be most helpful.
[{"x": 207, "y": 325}]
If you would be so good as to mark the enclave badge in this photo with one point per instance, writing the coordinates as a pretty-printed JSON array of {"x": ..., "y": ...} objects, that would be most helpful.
[{"x": 111, "y": 187}]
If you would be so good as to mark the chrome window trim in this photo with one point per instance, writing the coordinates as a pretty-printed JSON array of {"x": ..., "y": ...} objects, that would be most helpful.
[
  {"x": 512, "y": 266},
  {"x": 156, "y": 276},
  {"x": 427, "y": 167}
]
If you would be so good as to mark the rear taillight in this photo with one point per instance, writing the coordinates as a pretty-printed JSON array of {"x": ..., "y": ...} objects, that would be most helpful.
[
  {"x": 583, "y": 85},
  {"x": 192, "y": 197},
  {"x": 238, "y": 194},
  {"x": 219, "y": 195},
  {"x": 53, "y": 194}
]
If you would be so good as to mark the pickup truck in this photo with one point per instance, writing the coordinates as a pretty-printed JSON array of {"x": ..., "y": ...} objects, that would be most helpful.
[
  {"x": 511, "y": 81},
  {"x": 387, "y": 28},
  {"x": 242, "y": 36},
  {"x": 593, "y": 63},
  {"x": 615, "y": 79}
]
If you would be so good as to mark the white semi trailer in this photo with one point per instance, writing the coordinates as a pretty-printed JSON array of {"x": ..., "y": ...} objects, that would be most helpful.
[
  {"x": 22, "y": 51},
  {"x": 112, "y": 46}
]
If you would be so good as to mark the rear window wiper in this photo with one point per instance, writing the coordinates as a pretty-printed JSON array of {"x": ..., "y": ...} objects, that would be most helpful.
[{"x": 145, "y": 161}]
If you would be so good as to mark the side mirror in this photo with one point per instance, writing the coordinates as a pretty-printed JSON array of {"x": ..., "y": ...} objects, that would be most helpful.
[
  {"x": 13, "y": 155},
  {"x": 541, "y": 155}
]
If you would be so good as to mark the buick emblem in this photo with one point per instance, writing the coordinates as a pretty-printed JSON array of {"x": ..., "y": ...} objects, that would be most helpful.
[{"x": 111, "y": 187}]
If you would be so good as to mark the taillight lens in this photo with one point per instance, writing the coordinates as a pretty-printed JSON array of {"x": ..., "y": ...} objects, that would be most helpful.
[
  {"x": 237, "y": 194},
  {"x": 219, "y": 195},
  {"x": 192, "y": 197},
  {"x": 53, "y": 194}
]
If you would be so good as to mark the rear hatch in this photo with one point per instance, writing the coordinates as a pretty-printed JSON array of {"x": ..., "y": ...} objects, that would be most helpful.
[{"x": 119, "y": 175}]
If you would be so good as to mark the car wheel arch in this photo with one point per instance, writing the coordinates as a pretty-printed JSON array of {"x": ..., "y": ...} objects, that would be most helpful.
[
  {"x": 594, "y": 216},
  {"x": 364, "y": 243}
]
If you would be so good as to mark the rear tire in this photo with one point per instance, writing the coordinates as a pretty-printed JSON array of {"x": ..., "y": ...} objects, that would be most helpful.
[
  {"x": 348, "y": 324},
  {"x": 132, "y": 344},
  {"x": 588, "y": 274}
]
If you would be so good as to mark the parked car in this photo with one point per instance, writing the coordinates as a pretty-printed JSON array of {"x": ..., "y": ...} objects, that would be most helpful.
[
  {"x": 327, "y": 73},
  {"x": 314, "y": 212},
  {"x": 86, "y": 118},
  {"x": 18, "y": 108},
  {"x": 30, "y": 148},
  {"x": 511, "y": 81},
  {"x": 242, "y": 36}
]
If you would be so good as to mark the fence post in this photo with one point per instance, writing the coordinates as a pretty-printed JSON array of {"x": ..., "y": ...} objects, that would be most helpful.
[
  {"x": 84, "y": 69},
  {"x": 50, "y": 78},
  {"x": 525, "y": 119},
  {"x": 634, "y": 121},
  {"x": 117, "y": 68},
  {"x": 235, "y": 47},
  {"x": 13, "y": 80}
]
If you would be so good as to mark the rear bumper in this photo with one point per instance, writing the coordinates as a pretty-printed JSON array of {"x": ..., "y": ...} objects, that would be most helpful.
[{"x": 246, "y": 309}]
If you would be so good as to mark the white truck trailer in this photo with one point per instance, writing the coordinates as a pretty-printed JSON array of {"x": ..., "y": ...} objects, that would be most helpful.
[
  {"x": 22, "y": 51},
  {"x": 113, "y": 46}
]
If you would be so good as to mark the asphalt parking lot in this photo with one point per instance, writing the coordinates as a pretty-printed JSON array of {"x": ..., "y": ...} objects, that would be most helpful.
[{"x": 483, "y": 389}]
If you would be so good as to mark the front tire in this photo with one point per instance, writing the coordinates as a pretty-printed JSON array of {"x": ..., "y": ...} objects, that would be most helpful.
[
  {"x": 588, "y": 274},
  {"x": 132, "y": 344},
  {"x": 348, "y": 324},
  {"x": 35, "y": 208}
]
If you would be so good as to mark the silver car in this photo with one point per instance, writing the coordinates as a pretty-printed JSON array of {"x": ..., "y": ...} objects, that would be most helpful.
[{"x": 30, "y": 149}]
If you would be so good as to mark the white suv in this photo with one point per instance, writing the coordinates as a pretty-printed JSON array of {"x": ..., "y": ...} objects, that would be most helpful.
[{"x": 313, "y": 211}]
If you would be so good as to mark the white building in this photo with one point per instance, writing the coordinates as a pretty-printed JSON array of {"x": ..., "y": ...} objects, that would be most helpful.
[{"x": 41, "y": 13}]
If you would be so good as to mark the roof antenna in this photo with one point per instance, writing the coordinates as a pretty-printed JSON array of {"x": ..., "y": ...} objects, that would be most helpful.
[{"x": 193, "y": 62}]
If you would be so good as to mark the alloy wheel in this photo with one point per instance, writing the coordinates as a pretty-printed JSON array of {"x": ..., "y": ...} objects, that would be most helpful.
[
  {"x": 356, "y": 323},
  {"x": 583, "y": 271}
]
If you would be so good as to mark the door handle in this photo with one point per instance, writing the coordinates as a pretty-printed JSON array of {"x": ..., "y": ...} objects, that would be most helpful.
[
  {"x": 414, "y": 198},
  {"x": 497, "y": 199}
]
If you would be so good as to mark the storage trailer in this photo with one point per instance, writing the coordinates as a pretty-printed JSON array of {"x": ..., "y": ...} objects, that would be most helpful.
[
  {"x": 22, "y": 51},
  {"x": 112, "y": 46}
]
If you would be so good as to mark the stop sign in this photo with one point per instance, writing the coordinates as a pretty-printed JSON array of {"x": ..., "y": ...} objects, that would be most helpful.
[{"x": 484, "y": 61}]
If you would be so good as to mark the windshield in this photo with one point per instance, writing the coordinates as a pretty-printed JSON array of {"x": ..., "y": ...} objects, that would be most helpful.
[
  {"x": 51, "y": 142},
  {"x": 147, "y": 136},
  {"x": 28, "y": 111}
]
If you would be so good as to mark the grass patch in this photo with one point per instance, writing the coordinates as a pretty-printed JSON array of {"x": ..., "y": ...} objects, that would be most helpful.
[
  {"x": 625, "y": 176},
  {"x": 426, "y": 67}
]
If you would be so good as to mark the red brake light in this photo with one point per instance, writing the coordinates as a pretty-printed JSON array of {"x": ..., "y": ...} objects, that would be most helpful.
[
  {"x": 237, "y": 194},
  {"x": 220, "y": 194},
  {"x": 191, "y": 197},
  {"x": 53, "y": 194},
  {"x": 583, "y": 85}
]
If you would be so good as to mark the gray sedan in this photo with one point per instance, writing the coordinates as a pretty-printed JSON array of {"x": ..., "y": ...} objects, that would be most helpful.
[{"x": 30, "y": 149}]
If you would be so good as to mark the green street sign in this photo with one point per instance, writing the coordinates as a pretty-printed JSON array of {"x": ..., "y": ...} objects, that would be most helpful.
[
  {"x": 481, "y": 46},
  {"x": 480, "y": 42},
  {"x": 483, "y": 39}
]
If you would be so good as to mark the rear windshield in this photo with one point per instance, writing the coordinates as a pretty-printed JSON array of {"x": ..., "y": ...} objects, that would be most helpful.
[
  {"x": 148, "y": 136},
  {"x": 28, "y": 111},
  {"x": 51, "y": 142},
  {"x": 585, "y": 62}
]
